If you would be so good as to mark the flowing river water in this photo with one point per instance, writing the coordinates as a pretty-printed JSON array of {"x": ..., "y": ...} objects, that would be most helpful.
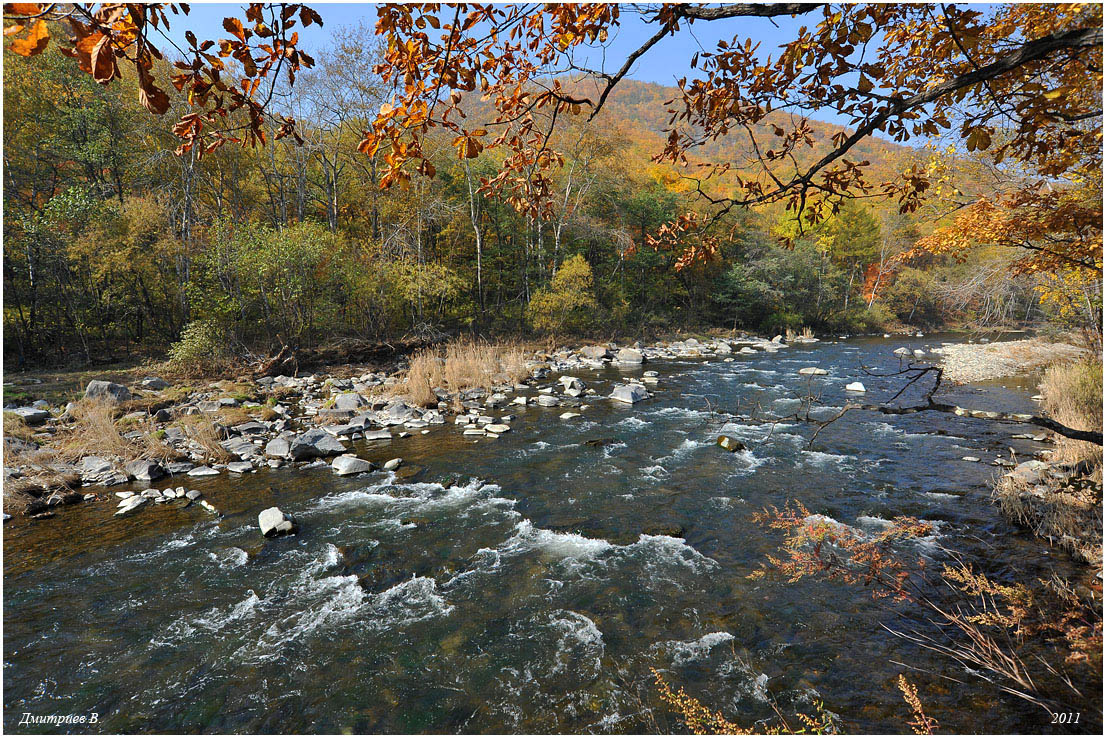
[{"x": 528, "y": 583}]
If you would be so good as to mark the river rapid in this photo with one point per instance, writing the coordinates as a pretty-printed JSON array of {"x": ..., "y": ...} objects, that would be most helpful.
[{"x": 529, "y": 583}]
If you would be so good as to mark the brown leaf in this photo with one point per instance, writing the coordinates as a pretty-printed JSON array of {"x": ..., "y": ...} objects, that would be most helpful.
[{"x": 35, "y": 42}]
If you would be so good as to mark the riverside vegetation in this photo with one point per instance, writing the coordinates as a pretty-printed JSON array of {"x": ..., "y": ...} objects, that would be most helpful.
[{"x": 366, "y": 268}]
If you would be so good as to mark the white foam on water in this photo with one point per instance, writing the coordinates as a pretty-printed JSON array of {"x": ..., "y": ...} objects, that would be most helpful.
[
  {"x": 632, "y": 422},
  {"x": 230, "y": 558},
  {"x": 552, "y": 544},
  {"x": 579, "y": 642},
  {"x": 654, "y": 472},
  {"x": 684, "y": 652},
  {"x": 411, "y": 601},
  {"x": 870, "y": 521},
  {"x": 822, "y": 459},
  {"x": 941, "y": 495},
  {"x": 678, "y": 412}
]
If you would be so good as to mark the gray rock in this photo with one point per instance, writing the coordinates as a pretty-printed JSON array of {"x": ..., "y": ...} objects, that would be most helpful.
[
  {"x": 278, "y": 448},
  {"x": 240, "y": 467},
  {"x": 273, "y": 522},
  {"x": 381, "y": 434},
  {"x": 548, "y": 401},
  {"x": 99, "y": 389},
  {"x": 497, "y": 428},
  {"x": 349, "y": 401},
  {"x": 572, "y": 383},
  {"x": 31, "y": 415},
  {"x": 203, "y": 471},
  {"x": 131, "y": 504},
  {"x": 630, "y": 356},
  {"x": 315, "y": 443},
  {"x": 392, "y": 464},
  {"x": 630, "y": 393},
  {"x": 193, "y": 494},
  {"x": 241, "y": 448},
  {"x": 345, "y": 465},
  {"x": 145, "y": 470},
  {"x": 154, "y": 383},
  {"x": 596, "y": 353}
]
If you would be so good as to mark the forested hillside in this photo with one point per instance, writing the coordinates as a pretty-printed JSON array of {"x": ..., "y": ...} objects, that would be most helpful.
[{"x": 112, "y": 243}]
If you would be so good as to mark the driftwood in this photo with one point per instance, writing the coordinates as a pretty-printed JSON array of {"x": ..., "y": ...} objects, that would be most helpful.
[
  {"x": 930, "y": 404},
  {"x": 283, "y": 363}
]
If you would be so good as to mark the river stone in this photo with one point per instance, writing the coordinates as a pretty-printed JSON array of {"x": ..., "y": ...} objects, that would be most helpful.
[
  {"x": 548, "y": 401},
  {"x": 345, "y": 465},
  {"x": 497, "y": 428},
  {"x": 278, "y": 448},
  {"x": 380, "y": 434},
  {"x": 569, "y": 416},
  {"x": 240, "y": 467},
  {"x": 154, "y": 383},
  {"x": 145, "y": 470},
  {"x": 273, "y": 522},
  {"x": 392, "y": 464},
  {"x": 596, "y": 353},
  {"x": 241, "y": 448},
  {"x": 630, "y": 356},
  {"x": 131, "y": 504},
  {"x": 99, "y": 389},
  {"x": 1030, "y": 472},
  {"x": 902, "y": 351},
  {"x": 314, "y": 443},
  {"x": 203, "y": 471},
  {"x": 969, "y": 458},
  {"x": 520, "y": 400},
  {"x": 349, "y": 401},
  {"x": 571, "y": 383},
  {"x": 31, "y": 415},
  {"x": 730, "y": 443},
  {"x": 855, "y": 387},
  {"x": 193, "y": 494},
  {"x": 630, "y": 393},
  {"x": 812, "y": 371}
]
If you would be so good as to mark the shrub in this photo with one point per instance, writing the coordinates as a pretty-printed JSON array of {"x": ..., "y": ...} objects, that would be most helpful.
[
  {"x": 568, "y": 303},
  {"x": 201, "y": 348}
]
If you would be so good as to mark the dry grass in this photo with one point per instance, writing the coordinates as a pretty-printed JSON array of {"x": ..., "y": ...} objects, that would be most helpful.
[
  {"x": 1068, "y": 517},
  {"x": 202, "y": 430},
  {"x": 1072, "y": 394},
  {"x": 16, "y": 427},
  {"x": 463, "y": 365},
  {"x": 95, "y": 432},
  {"x": 232, "y": 416}
]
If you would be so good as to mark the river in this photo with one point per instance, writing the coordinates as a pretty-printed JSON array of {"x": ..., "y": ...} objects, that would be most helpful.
[{"x": 527, "y": 583}]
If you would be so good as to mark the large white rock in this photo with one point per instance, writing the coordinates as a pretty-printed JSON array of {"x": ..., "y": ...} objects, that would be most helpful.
[
  {"x": 595, "y": 353},
  {"x": 349, "y": 401},
  {"x": 630, "y": 356},
  {"x": 345, "y": 465},
  {"x": 497, "y": 428},
  {"x": 630, "y": 393},
  {"x": 31, "y": 415},
  {"x": 855, "y": 387},
  {"x": 812, "y": 371},
  {"x": 273, "y": 522}
]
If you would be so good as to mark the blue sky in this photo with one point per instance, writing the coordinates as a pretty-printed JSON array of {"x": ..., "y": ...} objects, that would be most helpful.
[{"x": 664, "y": 64}]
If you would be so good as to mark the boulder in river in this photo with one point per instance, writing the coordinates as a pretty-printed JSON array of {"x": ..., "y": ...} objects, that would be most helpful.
[
  {"x": 497, "y": 428},
  {"x": 203, "y": 471},
  {"x": 630, "y": 356},
  {"x": 111, "y": 392},
  {"x": 392, "y": 464},
  {"x": 630, "y": 393},
  {"x": 596, "y": 353},
  {"x": 273, "y": 522},
  {"x": 855, "y": 387},
  {"x": 812, "y": 371},
  {"x": 380, "y": 434},
  {"x": 346, "y": 465},
  {"x": 547, "y": 401},
  {"x": 314, "y": 443},
  {"x": 730, "y": 443},
  {"x": 145, "y": 470}
]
